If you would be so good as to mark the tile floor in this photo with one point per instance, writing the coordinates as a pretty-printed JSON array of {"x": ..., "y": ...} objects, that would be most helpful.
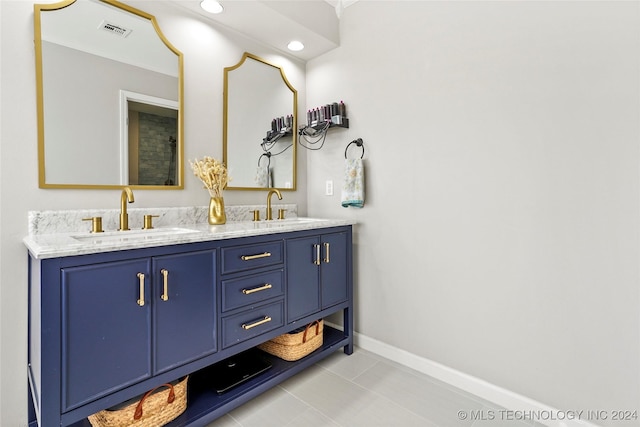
[{"x": 366, "y": 390}]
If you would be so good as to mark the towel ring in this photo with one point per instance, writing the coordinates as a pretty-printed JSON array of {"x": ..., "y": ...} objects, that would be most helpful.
[
  {"x": 358, "y": 143},
  {"x": 268, "y": 156}
]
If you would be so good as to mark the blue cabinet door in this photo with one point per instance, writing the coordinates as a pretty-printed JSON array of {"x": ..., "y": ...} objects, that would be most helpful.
[
  {"x": 106, "y": 339},
  {"x": 184, "y": 309},
  {"x": 303, "y": 277},
  {"x": 317, "y": 274},
  {"x": 333, "y": 274}
]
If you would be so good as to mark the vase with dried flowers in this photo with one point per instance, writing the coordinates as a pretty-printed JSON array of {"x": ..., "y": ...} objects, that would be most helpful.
[{"x": 213, "y": 175}]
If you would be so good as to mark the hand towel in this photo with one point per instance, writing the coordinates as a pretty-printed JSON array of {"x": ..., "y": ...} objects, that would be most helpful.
[
  {"x": 263, "y": 176},
  {"x": 353, "y": 186}
]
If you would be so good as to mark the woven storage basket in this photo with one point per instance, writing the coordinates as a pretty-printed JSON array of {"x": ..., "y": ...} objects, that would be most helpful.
[
  {"x": 295, "y": 345},
  {"x": 154, "y": 409}
]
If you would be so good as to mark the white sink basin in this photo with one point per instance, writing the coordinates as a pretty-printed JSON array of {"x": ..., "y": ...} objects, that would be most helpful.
[
  {"x": 133, "y": 235},
  {"x": 298, "y": 220},
  {"x": 287, "y": 222}
]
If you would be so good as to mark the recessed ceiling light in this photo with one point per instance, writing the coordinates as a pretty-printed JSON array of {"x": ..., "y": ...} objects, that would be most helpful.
[
  {"x": 211, "y": 6},
  {"x": 295, "y": 45}
]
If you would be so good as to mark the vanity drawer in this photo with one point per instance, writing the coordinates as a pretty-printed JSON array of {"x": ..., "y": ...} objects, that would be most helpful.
[
  {"x": 241, "y": 258},
  {"x": 251, "y": 323},
  {"x": 251, "y": 289}
]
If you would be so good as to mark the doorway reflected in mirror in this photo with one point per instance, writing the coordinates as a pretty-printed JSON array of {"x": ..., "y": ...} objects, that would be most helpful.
[{"x": 152, "y": 144}]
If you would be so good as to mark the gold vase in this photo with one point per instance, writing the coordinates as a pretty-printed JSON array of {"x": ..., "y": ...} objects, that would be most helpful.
[{"x": 216, "y": 211}]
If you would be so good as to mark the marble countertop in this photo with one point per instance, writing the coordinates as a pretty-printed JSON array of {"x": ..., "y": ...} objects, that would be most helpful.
[{"x": 81, "y": 243}]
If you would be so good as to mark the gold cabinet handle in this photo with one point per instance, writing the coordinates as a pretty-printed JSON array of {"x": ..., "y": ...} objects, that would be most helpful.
[
  {"x": 258, "y": 289},
  {"x": 258, "y": 323},
  {"x": 141, "y": 282},
  {"x": 165, "y": 285},
  {"x": 250, "y": 257},
  {"x": 326, "y": 253},
  {"x": 317, "y": 249}
]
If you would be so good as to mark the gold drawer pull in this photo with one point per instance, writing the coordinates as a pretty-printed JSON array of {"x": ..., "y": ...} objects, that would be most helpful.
[
  {"x": 326, "y": 253},
  {"x": 258, "y": 289},
  {"x": 250, "y": 257},
  {"x": 165, "y": 286},
  {"x": 141, "y": 282},
  {"x": 258, "y": 323}
]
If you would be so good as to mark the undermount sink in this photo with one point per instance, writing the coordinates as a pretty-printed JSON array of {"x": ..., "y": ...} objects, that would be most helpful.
[
  {"x": 288, "y": 221},
  {"x": 299, "y": 219},
  {"x": 134, "y": 235}
]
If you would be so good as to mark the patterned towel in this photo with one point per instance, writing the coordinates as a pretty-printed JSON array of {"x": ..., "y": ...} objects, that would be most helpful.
[
  {"x": 263, "y": 176},
  {"x": 353, "y": 186}
]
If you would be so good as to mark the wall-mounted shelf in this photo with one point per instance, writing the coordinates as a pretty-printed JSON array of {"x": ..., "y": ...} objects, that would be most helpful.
[
  {"x": 319, "y": 121},
  {"x": 273, "y": 137},
  {"x": 321, "y": 126}
]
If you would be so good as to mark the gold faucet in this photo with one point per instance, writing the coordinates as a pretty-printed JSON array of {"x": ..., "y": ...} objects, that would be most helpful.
[
  {"x": 269, "y": 211},
  {"x": 127, "y": 196}
]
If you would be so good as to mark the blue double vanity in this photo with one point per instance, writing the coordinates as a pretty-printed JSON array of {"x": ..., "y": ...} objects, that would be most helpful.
[{"x": 113, "y": 315}]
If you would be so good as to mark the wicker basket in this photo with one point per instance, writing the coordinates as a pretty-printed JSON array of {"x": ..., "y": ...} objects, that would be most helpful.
[
  {"x": 297, "y": 344},
  {"x": 154, "y": 409}
]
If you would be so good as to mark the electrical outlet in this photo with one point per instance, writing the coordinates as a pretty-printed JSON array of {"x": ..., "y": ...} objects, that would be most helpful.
[{"x": 328, "y": 188}]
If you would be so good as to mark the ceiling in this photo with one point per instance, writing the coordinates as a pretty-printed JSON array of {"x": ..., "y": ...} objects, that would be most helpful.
[
  {"x": 276, "y": 22},
  {"x": 273, "y": 22},
  {"x": 82, "y": 27}
]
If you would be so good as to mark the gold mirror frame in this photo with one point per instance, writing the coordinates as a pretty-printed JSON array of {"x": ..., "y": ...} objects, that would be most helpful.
[
  {"x": 225, "y": 132},
  {"x": 179, "y": 153}
]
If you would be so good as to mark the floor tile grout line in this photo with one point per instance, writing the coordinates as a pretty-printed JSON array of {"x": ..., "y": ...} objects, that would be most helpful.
[
  {"x": 381, "y": 395},
  {"x": 234, "y": 419},
  {"x": 309, "y": 405},
  {"x": 420, "y": 376},
  {"x": 379, "y": 362},
  {"x": 329, "y": 371},
  {"x": 365, "y": 371},
  {"x": 436, "y": 382}
]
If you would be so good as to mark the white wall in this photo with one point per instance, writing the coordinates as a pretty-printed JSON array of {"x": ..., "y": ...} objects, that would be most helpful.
[
  {"x": 500, "y": 231},
  {"x": 207, "y": 51}
]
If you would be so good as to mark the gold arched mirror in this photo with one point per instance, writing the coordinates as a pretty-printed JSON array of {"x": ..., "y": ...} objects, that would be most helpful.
[
  {"x": 110, "y": 92},
  {"x": 259, "y": 136}
]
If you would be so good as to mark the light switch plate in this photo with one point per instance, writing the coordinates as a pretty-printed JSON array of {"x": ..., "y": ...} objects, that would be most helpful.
[{"x": 328, "y": 188}]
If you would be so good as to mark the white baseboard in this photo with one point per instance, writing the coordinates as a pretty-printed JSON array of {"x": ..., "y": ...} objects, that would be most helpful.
[{"x": 522, "y": 406}]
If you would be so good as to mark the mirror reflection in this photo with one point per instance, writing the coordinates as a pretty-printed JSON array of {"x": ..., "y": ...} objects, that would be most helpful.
[
  {"x": 151, "y": 144},
  {"x": 259, "y": 126},
  {"x": 109, "y": 98}
]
